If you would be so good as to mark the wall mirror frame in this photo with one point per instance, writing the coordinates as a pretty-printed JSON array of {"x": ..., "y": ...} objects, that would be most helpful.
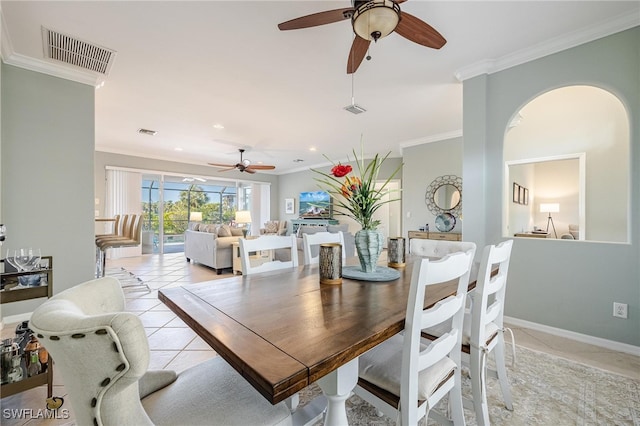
[
  {"x": 509, "y": 223},
  {"x": 444, "y": 195}
]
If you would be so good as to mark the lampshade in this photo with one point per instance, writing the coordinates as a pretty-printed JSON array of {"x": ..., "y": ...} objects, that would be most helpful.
[
  {"x": 195, "y": 216},
  {"x": 549, "y": 207},
  {"x": 376, "y": 19},
  {"x": 243, "y": 216}
]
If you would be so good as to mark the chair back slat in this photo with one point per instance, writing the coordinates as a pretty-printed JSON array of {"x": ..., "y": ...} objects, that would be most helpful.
[
  {"x": 311, "y": 241},
  {"x": 437, "y": 350},
  {"x": 268, "y": 242}
]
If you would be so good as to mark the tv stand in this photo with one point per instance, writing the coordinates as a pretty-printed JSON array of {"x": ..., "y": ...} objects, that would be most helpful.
[{"x": 296, "y": 223}]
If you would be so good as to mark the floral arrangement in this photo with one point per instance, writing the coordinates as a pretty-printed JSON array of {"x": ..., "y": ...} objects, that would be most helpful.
[{"x": 355, "y": 194}]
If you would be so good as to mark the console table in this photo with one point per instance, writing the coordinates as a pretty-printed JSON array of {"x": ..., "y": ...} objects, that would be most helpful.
[
  {"x": 426, "y": 235},
  {"x": 296, "y": 223}
]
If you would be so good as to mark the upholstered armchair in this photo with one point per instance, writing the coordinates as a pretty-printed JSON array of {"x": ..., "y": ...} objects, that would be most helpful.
[
  {"x": 274, "y": 227},
  {"x": 102, "y": 354}
]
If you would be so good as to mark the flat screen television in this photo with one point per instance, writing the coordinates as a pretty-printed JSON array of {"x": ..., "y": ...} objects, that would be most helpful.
[{"x": 315, "y": 205}]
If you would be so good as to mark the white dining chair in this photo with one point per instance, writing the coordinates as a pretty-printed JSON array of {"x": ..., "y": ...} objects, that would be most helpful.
[
  {"x": 404, "y": 378},
  {"x": 267, "y": 243},
  {"x": 102, "y": 354},
  {"x": 483, "y": 331},
  {"x": 311, "y": 242}
]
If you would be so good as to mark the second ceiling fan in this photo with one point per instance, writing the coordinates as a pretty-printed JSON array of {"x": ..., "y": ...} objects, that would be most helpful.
[
  {"x": 244, "y": 165},
  {"x": 372, "y": 20}
]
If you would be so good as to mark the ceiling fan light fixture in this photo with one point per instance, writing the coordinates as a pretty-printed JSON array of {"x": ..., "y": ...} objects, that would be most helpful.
[{"x": 375, "y": 19}]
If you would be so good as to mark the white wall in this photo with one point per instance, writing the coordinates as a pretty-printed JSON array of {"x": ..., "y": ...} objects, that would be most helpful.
[{"x": 557, "y": 283}]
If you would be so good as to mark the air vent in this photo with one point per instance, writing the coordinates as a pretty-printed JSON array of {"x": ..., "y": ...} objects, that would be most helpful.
[
  {"x": 147, "y": 132},
  {"x": 70, "y": 50},
  {"x": 354, "y": 109}
]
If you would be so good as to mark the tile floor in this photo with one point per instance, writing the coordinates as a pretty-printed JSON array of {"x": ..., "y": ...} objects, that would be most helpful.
[{"x": 175, "y": 346}]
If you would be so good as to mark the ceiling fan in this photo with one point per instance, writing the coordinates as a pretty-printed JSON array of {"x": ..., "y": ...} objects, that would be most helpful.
[
  {"x": 372, "y": 20},
  {"x": 243, "y": 165}
]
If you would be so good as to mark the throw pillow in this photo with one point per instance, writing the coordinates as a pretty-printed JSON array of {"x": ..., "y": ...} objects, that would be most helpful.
[
  {"x": 271, "y": 227},
  {"x": 212, "y": 228},
  {"x": 224, "y": 231},
  {"x": 236, "y": 232}
]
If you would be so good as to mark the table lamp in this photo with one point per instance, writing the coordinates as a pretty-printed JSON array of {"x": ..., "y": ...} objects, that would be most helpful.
[
  {"x": 195, "y": 217},
  {"x": 550, "y": 208},
  {"x": 243, "y": 217}
]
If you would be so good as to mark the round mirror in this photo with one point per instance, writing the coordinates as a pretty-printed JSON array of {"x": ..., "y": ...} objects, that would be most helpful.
[{"x": 446, "y": 197}]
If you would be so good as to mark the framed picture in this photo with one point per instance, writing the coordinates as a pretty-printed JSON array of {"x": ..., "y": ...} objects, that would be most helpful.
[
  {"x": 521, "y": 197},
  {"x": 516, "y": 193},
  {"x": 526, "y": 197},
  {"x": 289, "y": 204}
]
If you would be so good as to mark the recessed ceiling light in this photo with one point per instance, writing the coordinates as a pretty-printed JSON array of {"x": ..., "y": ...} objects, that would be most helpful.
[
  {"x": 313, "y": 148},
  {"x": 218, "y": 126},
  {"x": 177, "y": 148},
  {"x": 147, "y": 132}
]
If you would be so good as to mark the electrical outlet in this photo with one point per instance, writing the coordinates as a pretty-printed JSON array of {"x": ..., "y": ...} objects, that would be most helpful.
[{"x": 620, "y": 310}]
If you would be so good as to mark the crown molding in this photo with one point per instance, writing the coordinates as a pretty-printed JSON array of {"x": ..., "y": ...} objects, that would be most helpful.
[
  {"x": 10, "y": 57},
  {"x": 52, "y": 69},
  {"x": 555, "y": 45}
]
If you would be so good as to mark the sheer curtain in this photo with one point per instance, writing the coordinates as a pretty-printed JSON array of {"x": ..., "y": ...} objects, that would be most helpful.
[{"x": 123, "y": 196}]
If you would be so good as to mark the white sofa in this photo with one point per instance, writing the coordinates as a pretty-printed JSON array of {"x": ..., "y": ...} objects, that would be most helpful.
[{"x": 210, "y": 245}]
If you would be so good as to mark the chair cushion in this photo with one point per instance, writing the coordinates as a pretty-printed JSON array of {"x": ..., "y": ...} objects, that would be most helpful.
[
  {"x": 212, "y": 392},
  {"x": 382, "y": 367},
  {"x": 236, "y": 232}
]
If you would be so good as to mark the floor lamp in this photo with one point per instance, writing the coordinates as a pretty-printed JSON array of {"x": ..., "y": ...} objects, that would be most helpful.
[{"x": 550, "y": 208}]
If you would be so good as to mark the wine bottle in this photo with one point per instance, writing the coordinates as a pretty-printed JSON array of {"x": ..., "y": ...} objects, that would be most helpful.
[{"x": 34, "y": 364}]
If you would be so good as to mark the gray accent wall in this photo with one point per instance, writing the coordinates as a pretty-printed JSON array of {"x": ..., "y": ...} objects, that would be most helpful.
[
  {"x": 47, "y": 174},
  {"x": 422, "y": 164},
  {"x": 564, "y": 284}
]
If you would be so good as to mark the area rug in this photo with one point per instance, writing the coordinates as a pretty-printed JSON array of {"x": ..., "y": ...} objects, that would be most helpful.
[{"x": 546, "y": 390}]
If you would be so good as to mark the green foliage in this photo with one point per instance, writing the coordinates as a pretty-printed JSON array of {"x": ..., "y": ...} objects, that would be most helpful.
[{"x": 356, "y": 196}]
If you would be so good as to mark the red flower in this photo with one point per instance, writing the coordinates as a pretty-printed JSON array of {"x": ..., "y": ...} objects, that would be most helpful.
[{"x": 341, "y": 170}]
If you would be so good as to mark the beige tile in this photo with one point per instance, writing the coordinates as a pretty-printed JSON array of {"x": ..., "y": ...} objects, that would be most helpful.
[
  {"x": 198, "y": 344},
  {"x": 188, "y": 359},
  {"x": 158, "y": 360},
  {"x": 136, "y": 305},
  {"x": 156, "y": 319},
  {"x": 171, "y": 338}
]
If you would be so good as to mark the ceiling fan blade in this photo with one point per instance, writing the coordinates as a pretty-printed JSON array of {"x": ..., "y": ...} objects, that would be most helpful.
[
  {"x": 248, "y": 170},
  {"x": 260, "y": 167},
  {"x": 420, "y": 32},
  {"x": 320, "y": 18},
  {"x": 221, "y": 165},
  {"x": 356, "y": 55},
  {"x": 227, "y": 169}
]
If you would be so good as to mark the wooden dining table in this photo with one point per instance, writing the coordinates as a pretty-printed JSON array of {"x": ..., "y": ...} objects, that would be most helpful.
[{"x": 283, "y": 330}]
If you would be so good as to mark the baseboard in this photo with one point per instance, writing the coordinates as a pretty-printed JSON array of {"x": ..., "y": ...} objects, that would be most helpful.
[{"x": 584, "y": 338}]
